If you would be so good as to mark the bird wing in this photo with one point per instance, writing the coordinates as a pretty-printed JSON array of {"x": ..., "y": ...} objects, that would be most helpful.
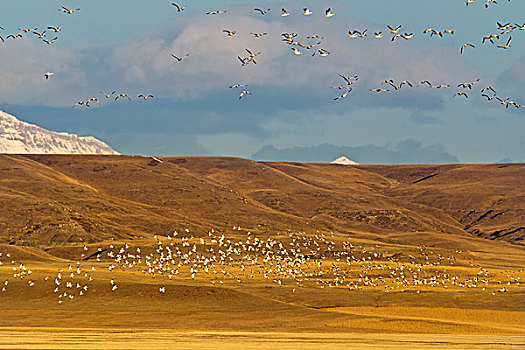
[{"x": 346, "y": 79}]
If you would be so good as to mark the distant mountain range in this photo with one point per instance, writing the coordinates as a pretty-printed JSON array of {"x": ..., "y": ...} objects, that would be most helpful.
[
  {"x": 407, "y": 151},
  {"x": 20, "y": 137}
]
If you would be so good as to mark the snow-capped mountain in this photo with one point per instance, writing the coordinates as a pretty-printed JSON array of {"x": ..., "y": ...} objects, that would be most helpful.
[
  {"x": 344, "y": 161},
  {"x": 20, "y": 137}
]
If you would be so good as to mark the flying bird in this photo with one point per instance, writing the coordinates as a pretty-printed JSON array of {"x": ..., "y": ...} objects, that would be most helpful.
[
  {"x": 343, "y": 95},
  {"x": 394, "y": 30},
  {"x": 244, "y": 92},
  {"x": 501, "y": 101},
  {"x": 48, "y": 75},
  {"x": 55, "y": 29},
  {"x": 398, "y": 36},
  {"x": 465, "y": 46},
  {"x": 68, "y": 11},
  {"x": 14, "y": 37},
  {"x": 507, "y": 46},
  {"x": 296, "y": 52},
  {"x": 40, "y": 35},
  {"x": 252, "y": 56},
  {"x": 108, "y": 95},
  {"x": 284, "y": 13},
  {"x": 145, "y": 97},
  {"x": 490, "y": 37},
  {"x": 179, "y": 8},
  {"x": 349, "y": 80},
  {"x": 80, "y": 103},
  {"x": 122, "y": 95},
  {"x": 49, "y": 42},
  {"x": 328, "y": 13},
  {"x": 217, "y": 12},
  {"x": 307, "y": 12},
  {"x": 244, "y": 62},
  {"x": 93, "y": 99},
  {"x": 468, "y": 85},
  {"x": 263, "y": 12},
  {"x": 180, "y": 58},
  {"x": 461, "y": 93},
  {"x": 489, "y": 88},
  {"x": 321, "y": 52}
]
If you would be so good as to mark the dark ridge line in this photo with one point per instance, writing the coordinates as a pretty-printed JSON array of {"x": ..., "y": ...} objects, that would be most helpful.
[
  {"x": 95, "y": 253},
  {"x": 424, "y": 178}
]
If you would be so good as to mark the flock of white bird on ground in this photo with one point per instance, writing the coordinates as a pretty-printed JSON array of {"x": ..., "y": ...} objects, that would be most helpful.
[
  {"x": 291, "y": 260},
  {"x": 298, "y": 47}
]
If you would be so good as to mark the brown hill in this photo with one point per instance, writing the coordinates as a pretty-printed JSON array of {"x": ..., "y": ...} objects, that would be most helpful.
[{"x": 54, "y": 200}]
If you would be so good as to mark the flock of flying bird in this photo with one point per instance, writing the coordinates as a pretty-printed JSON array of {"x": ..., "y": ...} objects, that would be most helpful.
[
  {"x": 298, "y": 47},
  {"x": 110, "y": 96},
  {"x": 293, "y": 260}
]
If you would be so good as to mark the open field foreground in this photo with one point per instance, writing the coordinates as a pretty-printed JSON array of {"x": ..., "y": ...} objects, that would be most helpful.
[
  {"x": 63, "y": 339},
  {"x": 223, "y": 252}
]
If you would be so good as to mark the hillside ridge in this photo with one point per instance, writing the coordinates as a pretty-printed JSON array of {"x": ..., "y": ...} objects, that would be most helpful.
[{"x": 54, "y": 200}]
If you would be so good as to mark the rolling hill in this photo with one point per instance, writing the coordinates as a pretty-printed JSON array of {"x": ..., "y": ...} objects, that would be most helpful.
[{"x": 54, "y": 200}]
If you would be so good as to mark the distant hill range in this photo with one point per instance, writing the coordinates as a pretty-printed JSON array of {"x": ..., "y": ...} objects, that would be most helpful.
[
  {"x": 20, "y": 137},
  {"x": 56, "y": 200}
]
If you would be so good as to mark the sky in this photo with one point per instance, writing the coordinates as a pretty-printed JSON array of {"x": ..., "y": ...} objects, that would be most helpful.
[{"x": 291, "y": 114}]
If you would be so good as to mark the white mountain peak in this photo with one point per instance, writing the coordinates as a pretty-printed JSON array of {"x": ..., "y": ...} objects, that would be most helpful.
[
  {"x": 20, "y": 137},
  {"x": 344, "y": 161}
]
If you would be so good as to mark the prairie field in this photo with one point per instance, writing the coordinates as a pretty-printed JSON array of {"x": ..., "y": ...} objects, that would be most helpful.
[{"x": 120, "y": 251}]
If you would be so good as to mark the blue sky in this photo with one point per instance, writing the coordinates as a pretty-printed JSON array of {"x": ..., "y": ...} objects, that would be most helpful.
[{"x": 125, "y": 45}]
